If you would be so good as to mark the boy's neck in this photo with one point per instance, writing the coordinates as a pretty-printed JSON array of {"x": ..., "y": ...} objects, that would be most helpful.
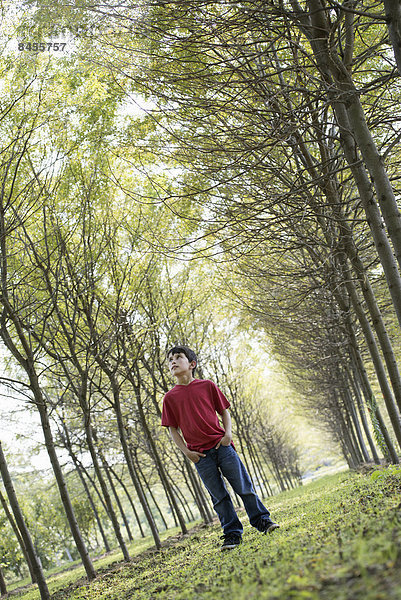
[{"x": 185, "y": 379}]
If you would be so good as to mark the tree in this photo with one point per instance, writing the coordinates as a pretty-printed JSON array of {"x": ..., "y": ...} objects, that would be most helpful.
[
  {"x": 20, "y": 200},
  {"x": 19, "y": 518}
]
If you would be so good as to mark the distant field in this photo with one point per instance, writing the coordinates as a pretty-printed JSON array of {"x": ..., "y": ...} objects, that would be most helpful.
[{"x": 340, "y": 539}]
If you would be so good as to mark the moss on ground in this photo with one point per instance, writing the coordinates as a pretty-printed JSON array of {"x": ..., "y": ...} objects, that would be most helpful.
[{"x": 340, "y": 538}]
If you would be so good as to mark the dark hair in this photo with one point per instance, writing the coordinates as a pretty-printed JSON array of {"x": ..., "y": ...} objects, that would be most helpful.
[{"x": 190, "y": 354}]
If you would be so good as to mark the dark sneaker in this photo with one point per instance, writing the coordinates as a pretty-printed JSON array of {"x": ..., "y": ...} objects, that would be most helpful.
[
  {"x": 267, "y": 526},
  {"x": 231, "y": 540}
]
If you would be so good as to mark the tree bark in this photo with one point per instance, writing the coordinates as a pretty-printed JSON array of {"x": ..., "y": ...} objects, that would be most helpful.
[
  {"x": 138, "y": 488},
  {"x": 116, "y": 497},
  {"x": 381, "y": 433},
  {"x": 355, "y": 387},
  {"x": 94, "y": 509},
  {"x": 157, "y": 460},
  {"x": 85, "y": 486},
  {"x": 18, "y": 536},
  {"x": 183, "y": 501},
  {"x": 91, "y": 438},
  {"x": 3, "y": 586},
  {"x": 26, "y": 359},
  {"x": 19, "y": 518},
  {"x": 263, "y": 476},
  {"x": 346, "y": 434},
  {"x": 121, "y": 425},
  {"x": 355, "y": 134},
  {"x": 374, "y": 219},
  {"x": 377, "y": 362},
  {"x": 130, "y": 500},
  {"x": 393, "y": 17},
  {"x": 147, "y": 486},
  {"x": 353, "y": 300},
  {"x": 349, "y": 403},
  {"x": 375, "y": 314},
  {"x": 131, "y": 468},
  {"x": 90, "y": 571}
]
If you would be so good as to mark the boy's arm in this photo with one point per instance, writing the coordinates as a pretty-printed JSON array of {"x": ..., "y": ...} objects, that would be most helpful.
[
  {"x": 227, "y": 438},
  {"x": 178, "y": 440}
]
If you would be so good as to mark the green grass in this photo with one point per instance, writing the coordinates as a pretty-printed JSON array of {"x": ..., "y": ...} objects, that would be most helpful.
[
  {"x": 61, "y": 578},
  {"x": 340, "y": 539}
]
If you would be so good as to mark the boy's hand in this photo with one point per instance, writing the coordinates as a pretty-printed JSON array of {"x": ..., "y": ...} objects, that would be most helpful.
[
  {"x": 225, "y": 441},
  {"x": 194, "y": 456}
]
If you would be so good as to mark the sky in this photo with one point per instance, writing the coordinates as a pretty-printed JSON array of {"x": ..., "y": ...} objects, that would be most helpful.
[{"x": 20, "y": 432}]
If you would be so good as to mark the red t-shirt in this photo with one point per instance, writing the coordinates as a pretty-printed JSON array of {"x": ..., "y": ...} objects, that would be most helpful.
[{"x": 192, "y": 408}]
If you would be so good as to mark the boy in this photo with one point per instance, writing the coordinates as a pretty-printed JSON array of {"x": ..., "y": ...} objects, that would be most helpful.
[{"x": 191, "y": 406}]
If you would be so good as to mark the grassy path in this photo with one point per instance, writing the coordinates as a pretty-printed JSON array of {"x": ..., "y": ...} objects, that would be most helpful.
[{"x": 340, "y": 539}]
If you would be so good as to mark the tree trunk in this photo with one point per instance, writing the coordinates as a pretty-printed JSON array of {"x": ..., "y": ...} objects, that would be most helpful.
[
  {"x": 375, "y": 314},
  {"x": 178, "y": 493},
  {"x": 393, "y": 18},
  {"x": 117, "y": 499},
  {"x": 29, "y": 367},
  {"x": 3, "y": 587},
  {"x": 377, "y": 362},
  {"x": 131, "y": 469},
  {"x": 354, "y": 385},
  {"x": 80, "y": 544},
  {"x": 171, "y": 507},
  {"x": 122, "y": 429},
  {"x": 349, "y": 441},
  {"x": 93, "y": 484},
  {"x": 345, "y": 430},
  {"x": 252, "y": 460},
  {"x": 95, "y": 511},
  {"x": 18, "y": 536},
  {"x": 147, "y": 486},
  {"x": 374, "y": 219},
  {"x": 263, "y": 476},
  {"x": 346, "y": 454},
  {"x": 130, "y": 500},
  {"x": 349, "y": 403},
  {"x": 91, "y": 438},
  {"x": 355, "y": 134},
  {"x": 381, "y": 433},
  {"x": 278, "y": 477},
  {"x": 183, "y": 501},
  {"x": 343, "y": 302},
  {"x": 33, "y": 558},
  {"x": 374, "y": 163},
  {"x": 157, "y": 460},
  {"x": 85, "y": 486}
]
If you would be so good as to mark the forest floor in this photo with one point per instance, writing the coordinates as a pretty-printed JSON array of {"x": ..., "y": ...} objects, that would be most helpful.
[{"x": 340, "y": 539}]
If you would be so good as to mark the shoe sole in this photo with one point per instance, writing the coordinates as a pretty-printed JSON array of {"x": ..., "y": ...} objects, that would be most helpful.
[
  {"x": 272, "y": 527},
  {"x": 230, "y": 547}
]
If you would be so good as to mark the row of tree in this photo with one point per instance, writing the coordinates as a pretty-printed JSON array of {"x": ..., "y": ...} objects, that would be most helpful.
[
  {"x": 268, "y": 145},
  {"x": 88, "y": 310},
  {"x": 281, "y": 120}
]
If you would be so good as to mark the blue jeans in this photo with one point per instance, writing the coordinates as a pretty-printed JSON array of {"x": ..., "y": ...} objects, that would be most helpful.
[{"x": 226, "y": 461}]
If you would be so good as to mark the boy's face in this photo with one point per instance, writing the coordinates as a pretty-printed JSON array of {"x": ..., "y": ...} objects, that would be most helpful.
[{"x": 179, "y": 364}]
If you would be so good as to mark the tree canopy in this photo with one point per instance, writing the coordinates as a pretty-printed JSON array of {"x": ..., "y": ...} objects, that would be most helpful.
[{"x": 219, "y": 174}]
